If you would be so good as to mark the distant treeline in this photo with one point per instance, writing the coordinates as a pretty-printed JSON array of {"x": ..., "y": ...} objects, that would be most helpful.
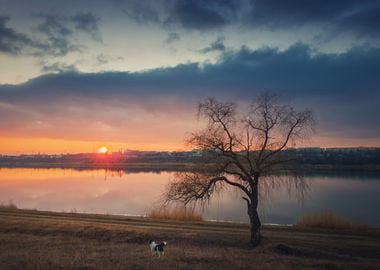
[
  {"x": 338, "y": 156},
  {"x": 355, "y": 158}
]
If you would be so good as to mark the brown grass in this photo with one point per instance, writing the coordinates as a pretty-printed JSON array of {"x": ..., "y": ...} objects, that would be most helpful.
[
  {"x": 328, "y": 221},
  {"x": 42, "y": 240},
  {"x": 184, "y": 214}
]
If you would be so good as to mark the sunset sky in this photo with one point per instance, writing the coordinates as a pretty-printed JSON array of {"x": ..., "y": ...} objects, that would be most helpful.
[{"x": 77, "y": 75}]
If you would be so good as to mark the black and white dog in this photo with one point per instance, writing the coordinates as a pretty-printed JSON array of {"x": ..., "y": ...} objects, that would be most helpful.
[{"x": 158, "y": 248}]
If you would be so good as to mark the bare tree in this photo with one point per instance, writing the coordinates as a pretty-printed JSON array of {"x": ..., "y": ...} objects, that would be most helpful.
[{"x": 240, "y": 150}]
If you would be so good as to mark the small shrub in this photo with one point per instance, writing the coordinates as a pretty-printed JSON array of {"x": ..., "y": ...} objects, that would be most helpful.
[
  {"x": 10, "y": 205},
  {"x": 184, "y": 214},
  {"x": 328, "y": 221}
]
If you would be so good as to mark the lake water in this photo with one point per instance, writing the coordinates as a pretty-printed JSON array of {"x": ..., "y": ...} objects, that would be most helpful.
[{"x": 353, "y": 196}]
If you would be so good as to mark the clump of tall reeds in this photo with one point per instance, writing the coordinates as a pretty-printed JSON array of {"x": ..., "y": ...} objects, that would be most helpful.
[
  {"x": 177, "y": 213},
  {"x": 328, "y": 220}
]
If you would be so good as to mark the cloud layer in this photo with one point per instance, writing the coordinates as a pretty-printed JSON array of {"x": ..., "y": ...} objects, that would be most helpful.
[
  {"x": 358, "y": 17},
  {"x": 342, "y": 89}
]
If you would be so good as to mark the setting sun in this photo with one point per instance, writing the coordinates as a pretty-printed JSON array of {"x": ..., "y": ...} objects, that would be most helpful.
[{"x": 102, "y": 150}]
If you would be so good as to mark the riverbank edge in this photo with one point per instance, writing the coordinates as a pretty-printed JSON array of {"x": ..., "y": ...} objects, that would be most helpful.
[{"x": 127, "y": 219}]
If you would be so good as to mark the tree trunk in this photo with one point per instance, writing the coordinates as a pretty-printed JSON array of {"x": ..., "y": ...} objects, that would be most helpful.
[{"x": 254, "y": 217}]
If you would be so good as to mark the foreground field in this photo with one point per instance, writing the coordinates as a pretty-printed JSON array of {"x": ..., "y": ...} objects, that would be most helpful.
[{"x": 42, "y": 240}]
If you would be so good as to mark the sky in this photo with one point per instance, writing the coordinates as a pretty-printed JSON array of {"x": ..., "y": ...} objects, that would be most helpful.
[{"x": 128, "y": 74}]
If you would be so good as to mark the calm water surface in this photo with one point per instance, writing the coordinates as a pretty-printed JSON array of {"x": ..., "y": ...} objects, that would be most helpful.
[{"x": 354, "y": 196}]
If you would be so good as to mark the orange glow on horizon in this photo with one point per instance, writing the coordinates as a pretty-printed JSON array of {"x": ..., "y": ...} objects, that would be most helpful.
[
  {"x": 18, "y": 146},
  {"x": 103, "y": 150}
]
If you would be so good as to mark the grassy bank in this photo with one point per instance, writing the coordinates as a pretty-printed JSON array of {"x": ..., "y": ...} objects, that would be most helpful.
[{"x": 43, "y": 240}]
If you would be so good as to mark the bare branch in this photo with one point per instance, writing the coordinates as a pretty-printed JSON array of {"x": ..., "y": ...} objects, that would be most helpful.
[
  {"x": 296, "y": 123},
  {"x": 247, "y": 201},
  {"x": 243, "y": 188},
  {"x": 192, "y": 187}
]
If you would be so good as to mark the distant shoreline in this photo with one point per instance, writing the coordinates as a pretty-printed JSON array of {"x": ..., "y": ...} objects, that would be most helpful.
[
  {"x": 173, "y": 166},
  {"x": 305, "y": 160},
  {"x": 118, "y": 166}
]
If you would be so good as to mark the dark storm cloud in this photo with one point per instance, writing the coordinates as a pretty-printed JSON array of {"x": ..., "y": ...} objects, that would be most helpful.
[
  {"x": 59, "y": 31},
  {"x": 142, "y": 12},
  {"x": 217, "y": 45},
  {"x": 12, "y": 42},
  {"x": 52, "y": 26},
  {"x": 89, "y": 23},
  {"x": 202, "y": 14},
  {"x": 57, "y": 43},
  {"x": 358, "y": 17},
  {"x": 58, "y": 37},
  {"x": 343, "y": 89},
  {"x": 361, "y": 18},
  {"x": 273, "y": 13},
  {"x": 365, "y": 22}
]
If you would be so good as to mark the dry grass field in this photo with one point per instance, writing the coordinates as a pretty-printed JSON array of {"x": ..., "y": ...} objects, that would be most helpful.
[{"x": 42, "y": 240}]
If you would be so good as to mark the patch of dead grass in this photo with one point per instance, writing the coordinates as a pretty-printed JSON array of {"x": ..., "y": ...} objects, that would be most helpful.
[
  {"x": 181, "y": 213},
  {"x": 329, "y": 221}
]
